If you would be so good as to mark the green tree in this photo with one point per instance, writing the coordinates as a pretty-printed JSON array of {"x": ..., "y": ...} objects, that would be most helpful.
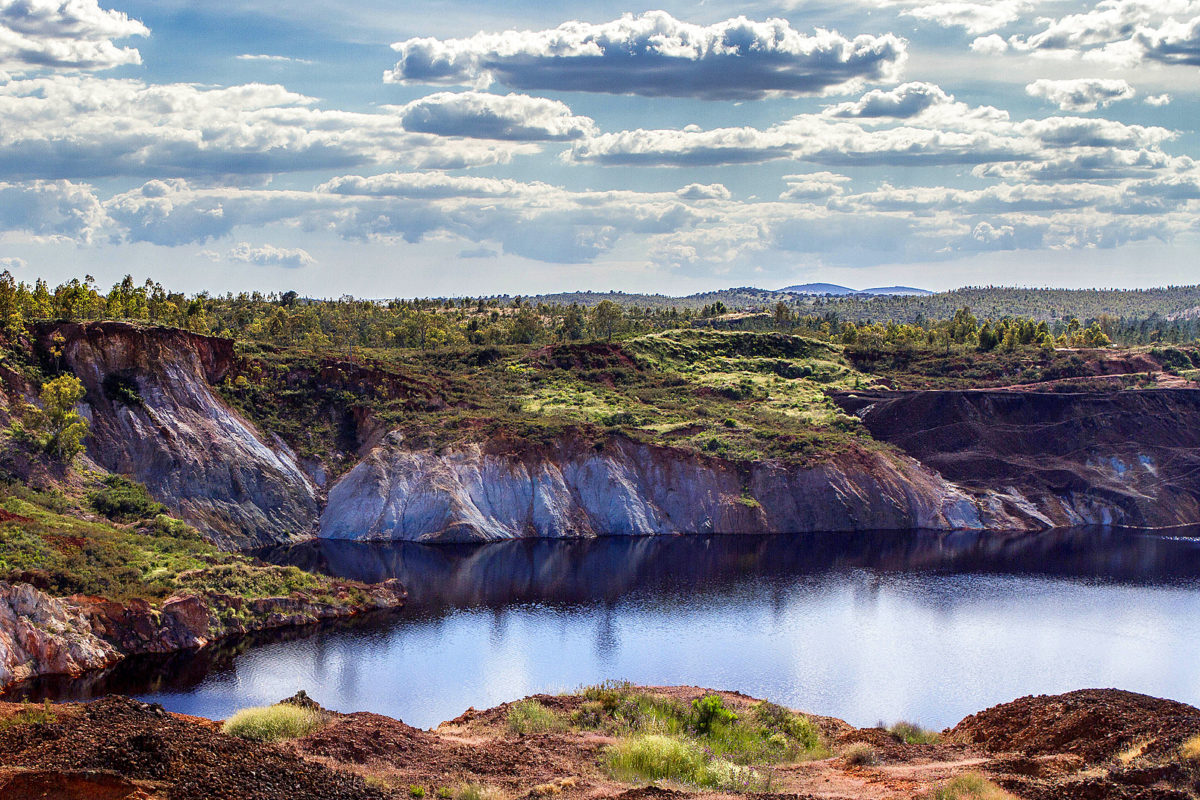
[
  {"x": 606, "y": 318},
  {"x": 65, "y": 428}
]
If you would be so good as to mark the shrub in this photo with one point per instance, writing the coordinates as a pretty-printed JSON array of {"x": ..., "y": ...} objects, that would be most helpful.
[
  {"x": 911, "y": 733},
  {"x": 1190, "y": 750},
  {"x": 653, "y": 757},
  {"x": 710, "y": 711},
  {"x": 416, "y": 791},
  {"x": 478, "y": 791},
  {"x": 971, "y": 786},
  {"x": 861, "y": 755},
  {"x": 444, "y": 793},
  {"x": 273, "y": 723},
  {"x": 124, "y": 500},
  {"x": 530, "y": 716},
  {"x": 777, "y": 718}
]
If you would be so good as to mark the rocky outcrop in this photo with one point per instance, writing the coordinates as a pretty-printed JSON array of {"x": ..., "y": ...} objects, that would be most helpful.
[
  {"x": 40, "y": 635},
  {"x": 1113, "y": 458},
  {"x": 43, "y": 635},
  {"x": 192, "y": 621},
  {"x": 154, "y": 416},
  {"x": 572, "y": 489}
]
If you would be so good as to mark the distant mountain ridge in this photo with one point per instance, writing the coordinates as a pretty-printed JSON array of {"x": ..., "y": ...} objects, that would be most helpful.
[{"x": 835, "y": 289}]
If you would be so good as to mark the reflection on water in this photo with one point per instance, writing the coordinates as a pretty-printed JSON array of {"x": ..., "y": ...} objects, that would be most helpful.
[{"x": 924, "y": 626}]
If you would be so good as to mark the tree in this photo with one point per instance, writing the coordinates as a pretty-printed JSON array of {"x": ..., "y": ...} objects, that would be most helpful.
[
  {"x": 572, "y": 324},
  {"x": 65, "y": 428},
  {"x": 606, "y": 318}
]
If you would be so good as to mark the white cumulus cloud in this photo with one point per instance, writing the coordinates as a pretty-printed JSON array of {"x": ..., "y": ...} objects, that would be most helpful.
[
  {"x": 1081, "y": 94},
  {"x": 656, "y": 55},
  {"x": 510, "y": 117},
  {"x": 64, "y": 34},
  {"x": 270, "y": 256}
]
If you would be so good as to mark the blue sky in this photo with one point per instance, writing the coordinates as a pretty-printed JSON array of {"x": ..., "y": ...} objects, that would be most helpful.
[{"x": 428, "y": 148}]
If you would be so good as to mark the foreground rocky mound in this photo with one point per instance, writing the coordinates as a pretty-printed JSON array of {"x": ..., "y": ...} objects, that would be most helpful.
[
  {"x": 120, "y": 748},
  {"x": 1088, "y": 744}
]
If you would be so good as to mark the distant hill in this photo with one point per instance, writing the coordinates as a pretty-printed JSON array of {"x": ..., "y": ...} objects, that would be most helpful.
[
  {"x": 817, "y": 288},
  {"x": 841, "y": 291},
  {"x": 899, "y": 291}
]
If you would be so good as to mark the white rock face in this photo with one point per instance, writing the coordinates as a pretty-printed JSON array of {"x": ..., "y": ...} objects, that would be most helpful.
[
  {"x": 572, "y": 490},
  {"x": 193, "y": 452},
  {"x": 40, "y": 635}
]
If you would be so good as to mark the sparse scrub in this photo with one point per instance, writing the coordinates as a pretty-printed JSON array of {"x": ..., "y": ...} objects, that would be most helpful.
[
  {"x": 30, "y": 715},
  {"x": 861, "y": 755},
  {"x": 273, "y": 723},
  {"x": 971, "y": 786},
  {"x": 1190, "y": 750},
  {"x": 911, "y": 733},
  {"x": 530, "y": 716},
  {"x": 477, "y": 791}
]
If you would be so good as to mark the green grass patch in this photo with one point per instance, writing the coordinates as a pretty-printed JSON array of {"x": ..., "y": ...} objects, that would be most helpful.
[
  {"x": 273, "y": 723},
  {"x": 704, "y": 744},
  {"x": 30, "y": 715},
  {"x": 911, "y": 733},
  {"x": 530, "y": 716}
]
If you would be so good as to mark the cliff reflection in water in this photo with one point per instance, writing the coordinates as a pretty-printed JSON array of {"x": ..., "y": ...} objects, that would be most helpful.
[
  {"x": 605, "y": 570},
  {"x": 924, "y": 626}
]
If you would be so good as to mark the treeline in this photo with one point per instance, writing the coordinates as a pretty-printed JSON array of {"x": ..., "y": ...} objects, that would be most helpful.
[{"x": 286, "y": 319}]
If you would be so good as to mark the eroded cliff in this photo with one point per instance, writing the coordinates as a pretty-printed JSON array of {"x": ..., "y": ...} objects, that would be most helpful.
[
  {"x": 1059, "y": 459},
  {"x": 625, "y": 488},
  {"x": 155, "y": 417}
]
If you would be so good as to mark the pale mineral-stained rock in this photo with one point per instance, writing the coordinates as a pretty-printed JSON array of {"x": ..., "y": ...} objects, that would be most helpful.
[
  {"x": 41, "y": 635},
  {"x": 194, "y": 453},
  {"x": 573, "y": 489}
]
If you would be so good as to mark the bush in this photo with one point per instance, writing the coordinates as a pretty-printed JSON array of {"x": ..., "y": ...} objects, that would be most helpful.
[
  {"x": 478, "y": 791},
  {"x": 124, "y": 500},
  {"x": 654, "y": 757},
  {"x": 416, "y": 791},
  {"x": 710, "y": 711},
  {"x": 861, "y": 755},
  {"x": 777, "y": 718},
  {"x": 911, "y": 733},
  {"x": 1190, "y": 750},
  {"x": 273, "y": 723},
  {"x": 530, "y": 716},
  {"x": 971, "y": 786}
]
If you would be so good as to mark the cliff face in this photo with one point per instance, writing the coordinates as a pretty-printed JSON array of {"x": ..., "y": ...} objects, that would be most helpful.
[
  {"x": 40, "y": 635},
  {"x": 154, "y": 416},
  {"x": 574, "y": 490},
  {"x": 971, "y": 459},
  {"x": 1122, "y": 458}
]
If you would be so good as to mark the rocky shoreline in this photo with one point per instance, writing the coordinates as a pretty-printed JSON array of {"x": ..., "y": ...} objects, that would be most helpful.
[{"x": 42, "y": 635}]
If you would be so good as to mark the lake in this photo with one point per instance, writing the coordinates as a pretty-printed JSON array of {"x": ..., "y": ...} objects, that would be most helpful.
[{"x": 920, "y": 626}]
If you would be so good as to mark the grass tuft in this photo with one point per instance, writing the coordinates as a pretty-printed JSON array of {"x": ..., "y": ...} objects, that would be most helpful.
[
  {"x": 911, "y": 733},
  {"x": 478, "y": 791},
  {"x": 971, "y": 786},
  {"x": 861, "y": 755},
  {"x": 530, "y": 716},
  {"x": 1190, "y": 750},
  {"x": 273, "y": 723}
]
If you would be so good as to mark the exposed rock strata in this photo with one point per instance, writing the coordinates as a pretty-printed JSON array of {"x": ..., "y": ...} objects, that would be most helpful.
[
  {"x": 573, "y": 490},
  {"x": 41, "y": 635},
  {"x": 155, "y": 417},
  {"x": 1115, "y": 458}
]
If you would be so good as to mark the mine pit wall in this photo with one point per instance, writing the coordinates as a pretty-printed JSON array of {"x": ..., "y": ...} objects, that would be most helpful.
[
  {"x": 963, "y": 460},
  {"x": 195, "y": 454},
  {"x": 1114, "y": 458}
]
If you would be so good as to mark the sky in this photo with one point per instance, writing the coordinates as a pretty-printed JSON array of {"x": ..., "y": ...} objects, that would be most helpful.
[{"x": 445, "y": 147}]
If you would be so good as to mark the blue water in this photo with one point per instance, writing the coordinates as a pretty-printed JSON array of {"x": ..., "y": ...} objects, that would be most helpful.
[{"x": 920, "y": 626}]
